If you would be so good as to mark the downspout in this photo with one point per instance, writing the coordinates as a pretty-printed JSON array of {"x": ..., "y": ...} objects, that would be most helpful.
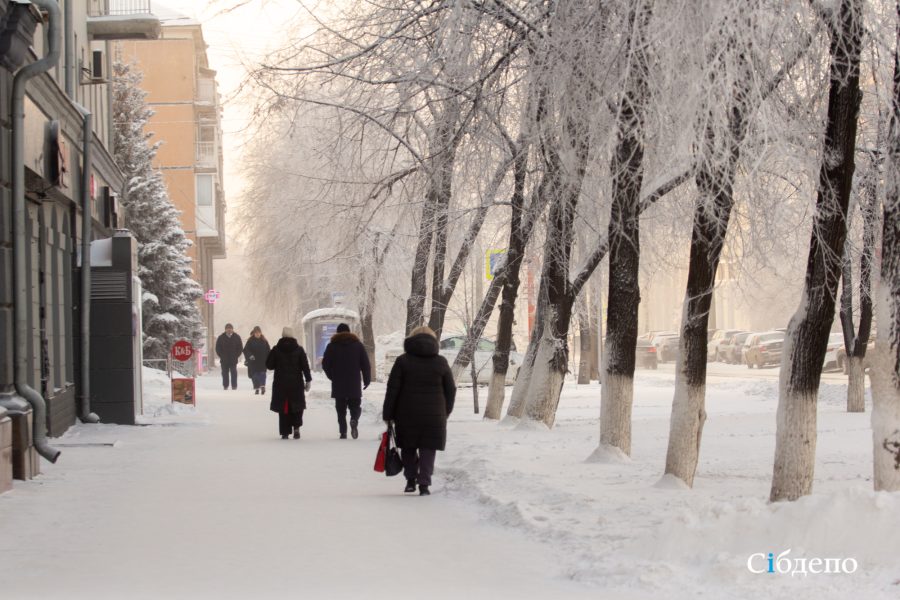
[
  {"x": 85, "y": 413},
  {"x": 50, "y": 60},
  {"x": 69, "y": 58}
]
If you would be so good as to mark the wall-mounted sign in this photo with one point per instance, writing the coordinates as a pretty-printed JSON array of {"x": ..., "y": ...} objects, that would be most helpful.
[{"x": 212, "y": 296}]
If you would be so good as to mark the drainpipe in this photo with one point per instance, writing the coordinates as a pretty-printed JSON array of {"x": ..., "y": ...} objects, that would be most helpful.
[
  {"x": 69, "y": 58},
  {"x": 50, "y": 60},
  {"x": 85, "y": 413}
]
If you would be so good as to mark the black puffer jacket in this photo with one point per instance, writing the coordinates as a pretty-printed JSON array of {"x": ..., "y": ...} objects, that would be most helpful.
[
  {"x": 288, "y": 360},
  {"x": 420, "y": 394},
  {"x": 256, "y": 351},
  {"x": 344, "y": 362},
  {"x": 229, "y": 349}
]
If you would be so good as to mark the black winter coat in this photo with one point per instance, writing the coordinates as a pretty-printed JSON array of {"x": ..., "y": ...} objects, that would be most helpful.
[
  {"x": 229, "y": 349},
  {"x": 288, "y": 360},
  {"x": 420, "y": 395},
  {"x": 256, "y": 351},
  {"x": 344, "y": 360}
]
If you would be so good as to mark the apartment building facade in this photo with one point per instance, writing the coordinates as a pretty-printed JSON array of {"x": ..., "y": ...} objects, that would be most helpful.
[{"x": 187, "y": 122}]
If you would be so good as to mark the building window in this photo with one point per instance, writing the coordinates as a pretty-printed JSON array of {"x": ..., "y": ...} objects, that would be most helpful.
[{"x": 205, "y": 191}]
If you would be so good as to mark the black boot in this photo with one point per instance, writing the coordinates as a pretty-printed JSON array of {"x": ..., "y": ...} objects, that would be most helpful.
[
  {"x": 256, "y": 391},
  {"x": 262, "y": 390},
  {"x": 284, "y": 436},
  {"x": 296, "y": 433},
  {"x": 423, "y": 490},
  {"x": 410, "y": 486},
  {"x": 353, "y": 430},
  {"x": 343, "y": 436}
]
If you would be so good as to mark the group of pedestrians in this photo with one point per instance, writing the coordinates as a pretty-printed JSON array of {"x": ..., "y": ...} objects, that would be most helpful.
[{"x": 419, "y": 398}]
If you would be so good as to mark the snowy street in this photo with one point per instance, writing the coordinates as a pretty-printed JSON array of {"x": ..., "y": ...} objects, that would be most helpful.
[
  {"x": 212, "y": 504},
  {"x": 220, "y": 507}
]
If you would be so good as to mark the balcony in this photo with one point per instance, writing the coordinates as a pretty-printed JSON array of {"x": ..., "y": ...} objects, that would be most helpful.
[
  {"x": 206, "y": 91},
  {"x": 122, "y": 20},
  {"x": 207, "y": 155}
]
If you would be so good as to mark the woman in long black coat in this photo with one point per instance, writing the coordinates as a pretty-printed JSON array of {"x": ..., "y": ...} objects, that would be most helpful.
[
  {"x": 256, "y": 351},
  {"x": 288, "y": 360},
  {"x": 419, "y": 398}
]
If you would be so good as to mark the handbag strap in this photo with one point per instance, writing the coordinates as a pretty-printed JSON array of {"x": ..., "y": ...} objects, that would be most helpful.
[{"x": 392, "y": 437}]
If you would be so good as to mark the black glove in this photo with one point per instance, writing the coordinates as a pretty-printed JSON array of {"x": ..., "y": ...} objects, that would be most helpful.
[{"x": 365, "y": 386}]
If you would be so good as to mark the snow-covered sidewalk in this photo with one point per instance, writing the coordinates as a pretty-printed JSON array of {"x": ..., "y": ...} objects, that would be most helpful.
[
  {"x": 212, "y": 504},
  {"x": 216, "y": 505}
]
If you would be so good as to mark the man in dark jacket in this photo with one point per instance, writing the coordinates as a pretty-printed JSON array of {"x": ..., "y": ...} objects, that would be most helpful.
[
  {"x": 345, "y": 359},
  {"x": 288, "y": 360},
  {"x": 229, "y": 348},
  {"x": 419, "y": 398}
]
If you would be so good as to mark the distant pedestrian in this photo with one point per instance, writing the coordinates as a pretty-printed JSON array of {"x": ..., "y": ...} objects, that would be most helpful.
[
  {"x": 288, "y": 360},
  {"x": 419, "y": 398},
  {"x": 344, "y": 361},
  {"x": 228, "y": 349},
  {"x": 256, "y": 351}
]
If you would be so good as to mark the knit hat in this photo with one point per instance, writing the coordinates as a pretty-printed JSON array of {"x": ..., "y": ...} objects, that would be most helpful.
[
  {"x": 343, "y": 327},
  {"x": 287, "y": 332}
]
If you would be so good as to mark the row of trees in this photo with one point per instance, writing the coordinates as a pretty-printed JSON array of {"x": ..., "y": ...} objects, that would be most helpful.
[
  {"x": 570, "y": 129},
  {"x": 170, "y": 294}
]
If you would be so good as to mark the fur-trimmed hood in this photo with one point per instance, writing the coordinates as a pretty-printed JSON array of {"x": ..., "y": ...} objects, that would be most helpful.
[{"x": 345, "y": 337}]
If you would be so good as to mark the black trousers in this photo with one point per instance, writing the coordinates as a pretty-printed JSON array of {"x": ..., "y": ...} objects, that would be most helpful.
[
  {"x": 287, "y": 422},
  {"x": 226, "y": 371},
  {"x": 418, "y": 464},
  {"x": 341, "y": 405}
]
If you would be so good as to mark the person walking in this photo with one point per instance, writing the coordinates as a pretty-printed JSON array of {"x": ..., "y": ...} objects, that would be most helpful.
[
  {"x": 344, "y": 360},
  {"x": 228, "y": 349},
  {"x": 419, "y": 398},
  {"x": 288, "y": 360},
  {"x": 256, "y": 351}
]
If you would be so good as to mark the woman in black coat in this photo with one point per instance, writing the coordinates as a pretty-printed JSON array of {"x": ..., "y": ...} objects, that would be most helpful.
[
  {"x": 256, "y": 351},
  {"x": 291, "y": 367},
  {"x": 419, "y": 398}
]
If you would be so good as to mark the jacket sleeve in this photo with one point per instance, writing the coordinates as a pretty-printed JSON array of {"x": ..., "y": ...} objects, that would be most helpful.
[
  {"x": 449, "y": 388},
  {"x": 326, "y": 361},
  {"x": 392, "y": 395},
  {"x": 270, "y": 360},
  {"x": 247, "y": 352},
  {"x": 219, "y": 346},
  {"x": 365, "y": 365},
  {"x": 238, "y": 346},
  {"x": 304, "y": 365}
]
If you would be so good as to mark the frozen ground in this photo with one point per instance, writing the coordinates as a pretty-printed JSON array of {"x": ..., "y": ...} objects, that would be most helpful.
[{"x": 211, "y": 504}]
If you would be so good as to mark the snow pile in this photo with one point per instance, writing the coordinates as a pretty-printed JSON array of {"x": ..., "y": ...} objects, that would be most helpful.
[{"x": 852, "y": 523}]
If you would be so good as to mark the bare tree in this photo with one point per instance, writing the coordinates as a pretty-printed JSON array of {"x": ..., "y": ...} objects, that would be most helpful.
[{"x": 807, "y": 336}]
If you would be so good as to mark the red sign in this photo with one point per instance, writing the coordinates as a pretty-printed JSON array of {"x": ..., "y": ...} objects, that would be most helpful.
[{"x": 182, "y": 350}]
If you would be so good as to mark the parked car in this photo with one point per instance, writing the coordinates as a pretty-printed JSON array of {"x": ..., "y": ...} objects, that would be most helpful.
[
  {"x": 667, "y": 348},
  {"x": 484, "y": 354},
  {"x": 840, "y": 356},
  {"x": 731, "y": 349},
  {"x": 761, "y": 349},
  {"x": 835, "y": 343},
  {"x": 645, "y": 355},
  {"x": 713, "y": 345}
]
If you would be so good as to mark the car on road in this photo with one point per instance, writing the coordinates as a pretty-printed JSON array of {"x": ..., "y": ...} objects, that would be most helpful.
[
  {"x": 761, "y": 349},
  {"x": 645, "y": 355},
  {"x": 713, "y": 345},
  {"x": 667, "y": 347},
  {"x": 484, "y": 354},
  {"x": 731, "y": 349},
  {"x": 840, "y": 356}
]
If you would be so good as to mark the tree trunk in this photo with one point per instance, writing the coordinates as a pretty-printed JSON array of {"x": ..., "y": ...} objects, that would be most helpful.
[
  {"x": 807, "y": 338},
  {"x": 514, "y": 257},
  {"x": 712, "y": 212},
  {"x": 585, "y": 343},
  {"x": 519, "y": 395},
  {"x": 856, "y": 385},
  {"x": 415, "y": 304},
  {"x": 617, "y": 391},
  {"x": 885, "y": 372}
]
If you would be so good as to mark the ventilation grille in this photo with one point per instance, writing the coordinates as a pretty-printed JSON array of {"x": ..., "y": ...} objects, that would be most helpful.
[{"x": 109, "y": 285}]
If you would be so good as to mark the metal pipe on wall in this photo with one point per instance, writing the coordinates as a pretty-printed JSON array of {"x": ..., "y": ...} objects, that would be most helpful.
[{"x": 20, "y": 345}]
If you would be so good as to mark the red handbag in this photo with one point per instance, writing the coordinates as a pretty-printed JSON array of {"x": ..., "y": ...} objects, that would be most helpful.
[{"x": 382, "y": 451}]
